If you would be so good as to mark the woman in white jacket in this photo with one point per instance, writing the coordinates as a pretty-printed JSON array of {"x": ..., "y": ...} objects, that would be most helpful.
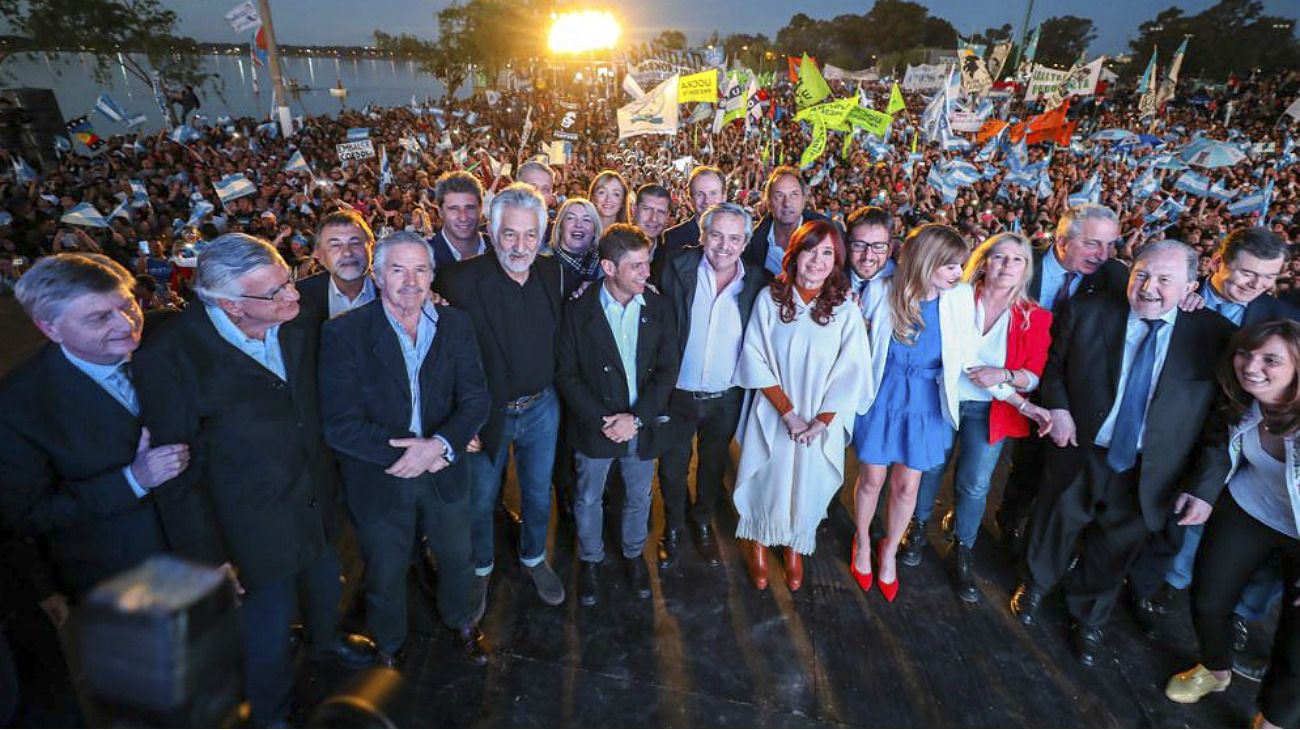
[
  {"x": 920, "y": 345},
  {"x": 1257, "y": 517}
]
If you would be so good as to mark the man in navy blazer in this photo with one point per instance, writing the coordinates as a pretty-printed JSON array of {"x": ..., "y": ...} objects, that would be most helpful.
[
  {"x": 459, "y": 196},
  {"x": 402, "y": 395}
]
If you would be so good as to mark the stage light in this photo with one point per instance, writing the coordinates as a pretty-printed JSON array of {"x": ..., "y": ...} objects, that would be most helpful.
[{"x": 583, "y": 30}]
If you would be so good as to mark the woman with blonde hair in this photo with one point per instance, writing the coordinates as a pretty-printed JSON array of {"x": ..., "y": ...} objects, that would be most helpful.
[
  {"x": 920, "y": 345},
  {"x": 573, "y": 244},
  {"x": 610, "y": 192},
  {"x": 1012, "y": 335}
]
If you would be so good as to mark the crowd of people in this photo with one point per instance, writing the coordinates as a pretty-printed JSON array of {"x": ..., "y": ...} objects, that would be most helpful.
[{"x": 359, "y": 348}]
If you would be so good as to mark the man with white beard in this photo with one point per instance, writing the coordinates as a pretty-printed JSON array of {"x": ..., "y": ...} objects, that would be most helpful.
[{"x": 343, "y": 246}]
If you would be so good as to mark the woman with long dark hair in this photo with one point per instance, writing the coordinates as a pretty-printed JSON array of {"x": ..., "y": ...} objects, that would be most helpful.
[
  {"x": 806, "y": 349},
  {"x": 1257, "y": 517}
]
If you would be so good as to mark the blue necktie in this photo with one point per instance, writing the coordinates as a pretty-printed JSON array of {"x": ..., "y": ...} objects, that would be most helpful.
[{"x": 1133, "y": 408}]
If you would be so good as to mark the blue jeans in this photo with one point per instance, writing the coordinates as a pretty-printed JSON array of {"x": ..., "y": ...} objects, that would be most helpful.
[
  {"x": 1265, "y": 585},
  {"x": 976, "y": 460},
  {"x": 532, "y": 432}
]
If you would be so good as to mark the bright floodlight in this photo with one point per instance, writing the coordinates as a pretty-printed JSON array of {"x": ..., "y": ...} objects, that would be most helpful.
[{"x": 583, "y": 30}]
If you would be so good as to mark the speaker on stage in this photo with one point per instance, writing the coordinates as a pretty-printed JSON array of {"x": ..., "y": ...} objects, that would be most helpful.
[{"x": 29, "y": 121}]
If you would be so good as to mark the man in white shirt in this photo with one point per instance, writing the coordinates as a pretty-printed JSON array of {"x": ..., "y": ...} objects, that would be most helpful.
[{"x": 712, "y": 292}]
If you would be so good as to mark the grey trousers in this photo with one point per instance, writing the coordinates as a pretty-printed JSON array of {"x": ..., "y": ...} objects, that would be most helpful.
[{"x": 589, "y": 514}]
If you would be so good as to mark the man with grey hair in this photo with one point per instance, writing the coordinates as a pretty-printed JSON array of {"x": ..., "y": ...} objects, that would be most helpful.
[
  {"x": 402, "y": 394},
  {"x": 513, "y": 297},
  {"x": 1129, "y": 387},
  {"x": 459, "y": 196},
  {"x": 235, "y": 377},
  {"x": 711, "y": 291},
  {"x": 77, "y": 470},
  {"x": 1080, "y": 262}
]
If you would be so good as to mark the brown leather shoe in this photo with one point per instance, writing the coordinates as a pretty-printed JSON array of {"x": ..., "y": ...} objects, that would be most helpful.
[
  {"x": 756, "y": 562},
  {"x": 793, "y": 569}
]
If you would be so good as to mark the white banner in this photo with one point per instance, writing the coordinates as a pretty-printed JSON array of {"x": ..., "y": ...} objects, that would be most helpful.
[
  {"x": 1083, "y": 79},
  {"x": 835, "y": 73},
  {"x": 965, "y": 121},
  {"x": 654, "y": 113},
  {"x": 243, "y": 18},
  {"x": 359, "y": 150},
  {"x": 926, "y": 77},
  {"x": 1043, "y": 80}
]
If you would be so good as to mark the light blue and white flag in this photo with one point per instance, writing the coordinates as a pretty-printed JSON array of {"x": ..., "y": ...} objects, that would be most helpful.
[
  {"x": 1194, "y": 183},
  {"x": 1256, "y": 202},
  {"x": 1221, "y": 193},
  {"x": 297, "y": 163},
  {"x": 136, "y": 120},
  {"x": 1089, "y": 193},
  {"x": 1145, "y": 185},
  {"x": 385, "y": 170},
  {"x": 121, "y": 211},
  {"x": 200, "y": 211},
  {"x": 946, "y": 187},
  {"x": 356, "y": 134},
  {"x": 184, "y": 134},
  {"x": 109, "y": 108},
  {"x": 234, "y": 186},
  {"x": 1169, "y": 209},
  {"x": 84, "y": 214},
  {"x": 23, "y": 172},
  {"x": 960, "y": 172}
]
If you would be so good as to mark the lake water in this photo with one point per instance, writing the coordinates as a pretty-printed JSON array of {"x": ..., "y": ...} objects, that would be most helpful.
[{"x": 382, "y": 82}]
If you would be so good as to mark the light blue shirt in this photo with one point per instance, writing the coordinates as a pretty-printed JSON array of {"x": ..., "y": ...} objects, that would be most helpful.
[
  {"x": 265, "y": 352},
  {"x": 1135, "y": 330},
  {"x": 871, "y": 292},
  {"x": 413, "y": 355},
  {"x": 1053, "y": 278},
  {"x": 114, "y": 380},
  {"x": 625, "y": 324},
  {"x": 339, "y": 302},
  {"x": 1230, "y": 311}
]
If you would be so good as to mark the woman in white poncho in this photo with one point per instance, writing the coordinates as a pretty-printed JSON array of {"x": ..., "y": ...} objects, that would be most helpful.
[{"x": 805, "y": 349}]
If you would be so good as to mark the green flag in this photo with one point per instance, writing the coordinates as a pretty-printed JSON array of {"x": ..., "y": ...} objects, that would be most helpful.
[
  {"x": 844, "y": 148},
  {"x": 814, "y": 148},
  {"x": 895, "y": 100},
  {"x": 812, "y": 86},
  {"x": 871, "y": 120}
]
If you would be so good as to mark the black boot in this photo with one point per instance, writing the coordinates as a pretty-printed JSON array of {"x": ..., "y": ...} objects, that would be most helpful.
[
  {"x": 588, "y": 583},
  {"x": 909, "y": 553},
  {"x": 964, "y": 573}
]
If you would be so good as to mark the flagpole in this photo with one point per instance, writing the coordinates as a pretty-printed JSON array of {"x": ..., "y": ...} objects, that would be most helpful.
[
  {"x": 1024, "y": 32},
  {"x": 277, "y": 79}
]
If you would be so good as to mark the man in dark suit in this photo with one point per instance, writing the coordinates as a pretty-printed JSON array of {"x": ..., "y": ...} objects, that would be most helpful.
[
  {"x": 1078, "y": 263},
  {"x": 343, "y": 244},
  {"x": 235, "y": 377},
  {"x": 616, "y": 362},
  {"x": 1129, "y": 387},
  {"x": 1243, "y": 270},
  {"x": 76, "y": 469},
  {"x": 459, "y": 196},
  {"x": 707, "y": 186},
  {"x": 513, "y": 298},
  {"x": 712, "y": 292},
  {"x": 786, "y": 194},
  {"x": 402, "y": 394},
  {"x": 651, "y": 209}
]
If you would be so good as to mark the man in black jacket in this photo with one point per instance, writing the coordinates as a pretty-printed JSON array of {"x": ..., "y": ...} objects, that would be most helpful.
[
  {"x": 786, "y": 196},
  {"x": 343, "y": 244},
  {"x": 76, "y": 469},
  {"x": 711, "y": 291},
  {"x": 459, "y": 196},
  {"x": 513, "y": 298},
  {"x": 616, "y": 363},
  {"x": 402, "y": 394},
  {"x": 1129, "y": 387},
  {"x": 1079, "y": 263},
  {"x": 707, "y": 186},
  {"x": 235, "y": 378}
]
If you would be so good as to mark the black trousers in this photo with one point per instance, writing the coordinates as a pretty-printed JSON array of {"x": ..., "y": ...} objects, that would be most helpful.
[
  {"x": 1095, "y": 513},
  {"x": 1232, "y": 549},
  {"x": 1147, "y": 574},
  {"x": 386, "y": 539},
  {"x": 1023, "y": 481},
  {"x": 714, "y": 422}
]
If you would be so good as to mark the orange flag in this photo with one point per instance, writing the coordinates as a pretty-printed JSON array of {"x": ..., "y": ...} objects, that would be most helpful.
[
  {"x": 989, "y": 130},
  {"x": 792, "y": 64}
]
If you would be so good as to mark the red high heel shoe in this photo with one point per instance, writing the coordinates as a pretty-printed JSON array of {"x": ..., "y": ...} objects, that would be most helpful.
[
  {"x": 889, "y": 590},
  {"x": 864, "y": 579}
]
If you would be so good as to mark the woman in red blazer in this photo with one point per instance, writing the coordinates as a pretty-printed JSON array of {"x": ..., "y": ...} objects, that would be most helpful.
[{"x": 1013, "y": 335}]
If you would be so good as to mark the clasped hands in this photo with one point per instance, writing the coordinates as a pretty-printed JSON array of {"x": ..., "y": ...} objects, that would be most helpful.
[
  {"x": 421, "y": 456},
  {"x": 801, "y": 431},
  {"x": 619, "y": 428}
]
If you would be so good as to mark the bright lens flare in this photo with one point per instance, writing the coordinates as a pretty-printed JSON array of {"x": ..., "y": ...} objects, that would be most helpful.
[{"x": 582, "y": 31}]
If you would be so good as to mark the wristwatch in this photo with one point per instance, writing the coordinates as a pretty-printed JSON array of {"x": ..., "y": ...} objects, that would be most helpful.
[{"x": 636, "y": 421}]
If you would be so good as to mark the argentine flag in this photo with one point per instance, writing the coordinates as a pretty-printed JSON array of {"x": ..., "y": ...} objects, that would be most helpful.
[
  {"x": 356, "y": 134},
  {"x": 946, "y": 187},
  {"x": 234, "y": 186},
  {"x": 1256, "y": 202},
  {"x": 84, "y": 214},
  {"x": 23, "y": 172},
  {"x": 1089, "y": 193},
  {"x": 184, "y": 134},
  {"x": 1194, "y": 183},
  {"x": 109, "y": 108},
  {"x": 200, "y": 211},
  {"x": 297, "y": 163}
]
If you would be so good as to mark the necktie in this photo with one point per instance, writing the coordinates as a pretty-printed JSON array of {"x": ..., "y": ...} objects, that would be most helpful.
[
  {"x": 120, "y": 382},
  {"x": 1063, "y": 293},
  {"x": 1133, "y": 406}
]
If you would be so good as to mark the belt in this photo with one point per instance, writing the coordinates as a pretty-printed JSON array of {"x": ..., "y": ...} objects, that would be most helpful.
[
  {"x": 519, "y": 404},
  {"x": 706, "y": 395}
]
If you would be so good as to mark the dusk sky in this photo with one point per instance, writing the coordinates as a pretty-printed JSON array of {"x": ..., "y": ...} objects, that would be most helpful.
[{"x": 346, "y": 22}]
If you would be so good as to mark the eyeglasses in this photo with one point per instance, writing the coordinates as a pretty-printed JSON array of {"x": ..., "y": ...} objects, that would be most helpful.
[
  {"x": 872, "y": 246},
  {"x": 275, "y": 293}
]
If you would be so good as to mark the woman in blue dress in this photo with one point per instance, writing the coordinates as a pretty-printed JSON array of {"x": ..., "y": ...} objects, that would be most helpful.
[{"x": 920, "y": 344}]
